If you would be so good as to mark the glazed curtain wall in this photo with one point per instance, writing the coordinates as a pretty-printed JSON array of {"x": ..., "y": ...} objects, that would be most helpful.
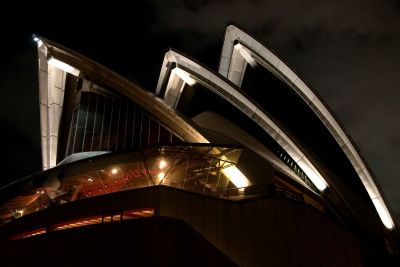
[
  {"x": 198, "y": 168},
  {"x": 111, "y": 123}
]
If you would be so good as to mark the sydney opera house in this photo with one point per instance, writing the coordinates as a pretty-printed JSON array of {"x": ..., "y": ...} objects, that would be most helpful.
[{"x": 244, "y": 166}]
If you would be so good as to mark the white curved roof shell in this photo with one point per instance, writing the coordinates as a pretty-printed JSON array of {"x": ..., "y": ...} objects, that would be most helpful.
[
  {"x": 238, "y": 47},
  {"x": 195, "y": 72},
  {"x": 54, "y": 61}
]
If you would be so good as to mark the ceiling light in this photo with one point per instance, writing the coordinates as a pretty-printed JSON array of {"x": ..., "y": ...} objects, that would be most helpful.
[
  {"x": 63, "y": 66},
  {"x": 246, "y": 55},
  {"x": 184, "y": 76}
]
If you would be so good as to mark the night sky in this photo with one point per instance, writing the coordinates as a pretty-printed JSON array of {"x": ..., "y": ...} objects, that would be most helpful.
[{"x": 348, "y": 51}]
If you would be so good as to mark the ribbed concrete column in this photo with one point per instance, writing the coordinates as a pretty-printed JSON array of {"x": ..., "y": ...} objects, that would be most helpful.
[{"x": 51, "y": 94}]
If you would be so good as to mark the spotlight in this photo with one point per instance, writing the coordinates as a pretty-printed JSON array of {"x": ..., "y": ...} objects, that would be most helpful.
[
  {"x": 37, "y": 40},
  {"x": 184, "y": 76},
  {"x": 63, "y": 66}
]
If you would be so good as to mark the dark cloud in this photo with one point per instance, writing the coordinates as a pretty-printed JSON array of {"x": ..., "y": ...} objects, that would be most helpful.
[{"x": 281, "y": 21}]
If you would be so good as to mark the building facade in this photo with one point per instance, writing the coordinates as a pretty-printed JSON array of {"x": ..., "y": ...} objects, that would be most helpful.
[{"x": 245, "y": 166}]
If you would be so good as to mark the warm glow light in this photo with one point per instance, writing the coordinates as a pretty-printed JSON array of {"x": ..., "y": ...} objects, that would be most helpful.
[
  {"x": 21, "y": 212},
  {"x": 64, "y": 66},
  {"x": 184, "y": 76},
  {"x": 114, "y": 171},
  {"x": 383, "y": 213},
  {"x": 236, "y": 176},
  {"x": 161, "y": 175},
  {"x": 90, "y": 180},
  {"x": 162, "y": 164}
]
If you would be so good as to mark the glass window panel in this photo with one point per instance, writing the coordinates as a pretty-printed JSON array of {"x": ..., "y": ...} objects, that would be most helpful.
[
  {"x": 138, "y": 127},
  {"x": 105, "y": 134},
  {"x": 114, "y": 125},
  {"x": 81, "y": 123},
  {"x": 144, "y": 140},
  {"x": 90, "y": 119},
  {"x": 98, "y": 123},
  {"x": 165, "y": 136},
  {"x": 121, "y": 130},
  {"x": 129, "y": 127},
  {"x": 175, "y": 139},
  {"x": 72, "y": 133},
  {"x": 154, "y": 129}
]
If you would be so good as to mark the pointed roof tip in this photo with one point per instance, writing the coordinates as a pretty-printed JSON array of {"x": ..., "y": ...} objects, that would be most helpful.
[
  {"x": 232, "y": 25},
  {"x": 169, "y": 51},
  {"x": 173, "y": 50}
]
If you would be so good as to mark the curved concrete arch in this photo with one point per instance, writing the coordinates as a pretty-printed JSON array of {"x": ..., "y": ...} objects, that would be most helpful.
[
  {"x": 55, "y": 61},
  {"x": 178, "y": 69},
  {"x": 240, "y": 49}
]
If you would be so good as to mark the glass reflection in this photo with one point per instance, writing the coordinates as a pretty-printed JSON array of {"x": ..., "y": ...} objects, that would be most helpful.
[{"x": 196, "y": 168}]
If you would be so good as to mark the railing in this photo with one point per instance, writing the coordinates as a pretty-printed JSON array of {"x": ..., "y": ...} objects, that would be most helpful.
[{"x": 85, "y": 221}]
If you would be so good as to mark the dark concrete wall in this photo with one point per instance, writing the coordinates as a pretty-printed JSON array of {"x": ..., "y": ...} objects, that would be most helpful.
[
  {"x": 268, "y": 231},
  {"x": 265, "y": 232},
  {"x": 155, "y": 241}
]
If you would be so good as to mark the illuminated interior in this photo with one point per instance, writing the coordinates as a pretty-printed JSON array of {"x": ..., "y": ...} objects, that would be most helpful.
[{"x": 203, "y": 169}]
